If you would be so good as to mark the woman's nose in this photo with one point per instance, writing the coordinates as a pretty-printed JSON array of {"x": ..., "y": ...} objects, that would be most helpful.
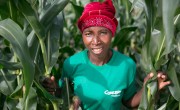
[{"x": 95, "y": 40}]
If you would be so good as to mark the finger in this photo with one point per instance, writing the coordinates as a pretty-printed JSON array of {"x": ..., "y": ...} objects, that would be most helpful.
[
  {"x": 150, "y": 75},
  {"x": 163, "y": 84},
  {"x": 161, "y": 77},
  {"x": 52, "y": 78},
  {"x": 54, "y": 81},
  {"x": 159, "y": 74},
  {"x": 76, "y": 102}
]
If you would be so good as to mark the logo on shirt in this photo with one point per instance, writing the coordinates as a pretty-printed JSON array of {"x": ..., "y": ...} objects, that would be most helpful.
[{"x": 112, "y": 93}]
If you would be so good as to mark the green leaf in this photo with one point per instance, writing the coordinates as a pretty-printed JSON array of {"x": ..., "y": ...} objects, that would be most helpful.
[
  {"x": 54, "y": 100},
  {"x": 171, "y": 104},
  {"x": 174, "y": 87},
  {"x": 53, "y": 41},
  {"x": 122, "y": 36},
  {"x": 168, "y": 10},
  {"x": 144, "y": 102},
  {"x": 31, "y": 17},
  {"x": 13, "y": 33},
  {"x": 4, "y": 12},
  {"x": 146, "y": 60},
  {"x": 46, "y": 17},
  {"x": 161, "y": 61},
  {"x": 7, "y": 82},
  {"x": 11, "y": 104},
  {"x": 78, "y": 9},
  {"x": 34, "y": 46},
  {"x": 10, "y": 65},
  {"x": 155, "y": 45},
  {"x": 31, "y": 102},
  {"x": 150, "y": 11},
  {"x": 18, "y": 92}
]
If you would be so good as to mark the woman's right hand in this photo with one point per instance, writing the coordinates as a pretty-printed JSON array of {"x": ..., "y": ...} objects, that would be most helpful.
[{"x": 50, "y": 84}]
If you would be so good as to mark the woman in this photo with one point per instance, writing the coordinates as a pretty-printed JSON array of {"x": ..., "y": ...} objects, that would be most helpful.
[{"x": 103, "y": 78}]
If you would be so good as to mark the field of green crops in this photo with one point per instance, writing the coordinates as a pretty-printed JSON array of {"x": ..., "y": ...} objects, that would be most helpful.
[{"x": 37, "y": 35}]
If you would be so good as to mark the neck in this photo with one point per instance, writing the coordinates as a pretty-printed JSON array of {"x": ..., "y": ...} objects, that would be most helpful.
[{"x": 100, "y": 60}]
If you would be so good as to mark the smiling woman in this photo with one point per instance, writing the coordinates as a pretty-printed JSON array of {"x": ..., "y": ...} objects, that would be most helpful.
[
  {"x": 103, "y": 78},
  {"x": 97, "y": 40}
]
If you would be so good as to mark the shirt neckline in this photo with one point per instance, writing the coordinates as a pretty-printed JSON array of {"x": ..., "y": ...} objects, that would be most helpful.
[{"x": 98, "y": 66}]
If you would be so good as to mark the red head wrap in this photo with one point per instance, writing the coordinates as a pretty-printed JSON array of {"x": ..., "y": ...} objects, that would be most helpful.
[{"x": 98, "y": 14}]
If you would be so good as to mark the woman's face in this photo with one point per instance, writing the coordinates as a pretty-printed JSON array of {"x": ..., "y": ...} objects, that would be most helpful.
[{"x": 97, "y": 40}]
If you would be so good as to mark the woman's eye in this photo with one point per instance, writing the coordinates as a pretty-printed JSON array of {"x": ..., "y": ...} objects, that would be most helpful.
[
  {"x": 88, "y": 34},
  {"x": 103, "y": 33}
]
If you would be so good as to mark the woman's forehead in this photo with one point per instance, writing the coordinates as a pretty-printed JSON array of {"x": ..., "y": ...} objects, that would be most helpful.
[{"x": 96, "y": 28}]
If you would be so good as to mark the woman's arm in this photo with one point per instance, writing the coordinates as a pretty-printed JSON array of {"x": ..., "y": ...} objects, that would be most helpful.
[{"x": 135, "y": 100}]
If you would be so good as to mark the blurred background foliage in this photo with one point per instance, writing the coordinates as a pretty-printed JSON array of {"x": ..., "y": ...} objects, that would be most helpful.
[{"x": 37, "y": 35}]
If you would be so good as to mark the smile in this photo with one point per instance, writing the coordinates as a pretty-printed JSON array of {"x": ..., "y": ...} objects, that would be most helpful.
[{"x": 97, "y": 50}]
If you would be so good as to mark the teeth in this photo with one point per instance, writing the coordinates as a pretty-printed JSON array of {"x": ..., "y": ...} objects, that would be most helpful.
[{"x": 98, "y": 50}]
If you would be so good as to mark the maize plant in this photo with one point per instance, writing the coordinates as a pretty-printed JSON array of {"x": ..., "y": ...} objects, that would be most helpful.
[{"x": 30, "y": 33}]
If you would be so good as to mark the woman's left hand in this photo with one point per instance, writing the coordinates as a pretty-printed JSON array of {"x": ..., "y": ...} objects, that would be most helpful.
[
  {"x": 161, "y": 77},
  {"x": 162, "y": 80}
]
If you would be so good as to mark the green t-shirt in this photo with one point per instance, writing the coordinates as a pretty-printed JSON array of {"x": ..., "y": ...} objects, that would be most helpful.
[{"x": 101, "y": 87}]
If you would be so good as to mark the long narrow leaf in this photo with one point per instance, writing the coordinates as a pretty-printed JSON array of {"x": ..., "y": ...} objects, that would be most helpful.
[
  {"x": 56, "y": 7},
  {"x": 54, "y": 100},
  {"x": 122, "y": 35},
  {"x": 168, "y": 8},
  {"x": 174, "y": 87},
  {"x": 7, "y": 82},
  {"x": 53, "y": 40},
  {"x": 150, "y": 11},
  {"x": 10, "y": 65},
  {"x": 31, "y": 17},
  {"x": 31, "y": 102},
  {"x": 13, "y": 33}
]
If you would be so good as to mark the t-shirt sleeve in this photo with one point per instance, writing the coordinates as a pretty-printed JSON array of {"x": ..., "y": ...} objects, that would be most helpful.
[
  {"x": 66, "y": 71},
  {"x": 131, "y": 89}
]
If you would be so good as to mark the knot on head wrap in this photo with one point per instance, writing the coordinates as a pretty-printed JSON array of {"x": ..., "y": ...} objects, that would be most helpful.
[{"x": 98, "y": 14}]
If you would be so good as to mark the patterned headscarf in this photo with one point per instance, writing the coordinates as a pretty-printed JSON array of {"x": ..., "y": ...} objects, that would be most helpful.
[{"x": 98, "y": 14}]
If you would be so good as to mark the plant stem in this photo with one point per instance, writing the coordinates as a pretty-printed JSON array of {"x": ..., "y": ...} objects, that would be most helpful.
[
  {"x": 67, "y": 91},
  {"x": 47, "y": 106},
  {"x": 44, "y": 53}
]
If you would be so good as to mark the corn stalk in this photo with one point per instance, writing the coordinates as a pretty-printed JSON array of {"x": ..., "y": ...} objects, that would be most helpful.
[
  {"x": 32, "y": 30},
  {"x": 158, "y": 48}
]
